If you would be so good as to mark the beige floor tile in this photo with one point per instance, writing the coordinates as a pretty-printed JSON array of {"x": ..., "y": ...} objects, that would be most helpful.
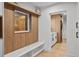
[{"x": 59, "y": 50}]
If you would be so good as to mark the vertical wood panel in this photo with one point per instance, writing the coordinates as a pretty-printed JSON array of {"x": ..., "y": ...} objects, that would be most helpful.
[
  {"x": 27, "y": 38},
  {"x": 23, "y": 43},
  {"x": 17, "y": 41},
  {"x": 24, "y": 39},
  {"x": 35, "y": 27},
  {"x": 13, "y": 41},
  {"x": 8, "y": 31},
  {"x": 31, "y": 38}
]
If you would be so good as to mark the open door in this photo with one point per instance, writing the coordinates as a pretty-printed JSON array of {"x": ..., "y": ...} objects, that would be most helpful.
[{"x": 57, "y": 26}]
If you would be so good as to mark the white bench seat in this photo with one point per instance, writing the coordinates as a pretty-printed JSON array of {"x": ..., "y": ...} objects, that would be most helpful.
[{"x": 25, "y": 50}]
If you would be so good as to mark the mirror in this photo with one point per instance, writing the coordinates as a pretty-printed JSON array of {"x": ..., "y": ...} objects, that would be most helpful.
[{"x": 21, "y": 22}]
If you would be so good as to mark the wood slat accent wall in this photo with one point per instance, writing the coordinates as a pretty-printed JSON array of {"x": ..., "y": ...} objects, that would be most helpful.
[
  {"x": 14, "y": 41},
  {"x": 8, "y": 31},
  {"x": 35, "y": 27}
]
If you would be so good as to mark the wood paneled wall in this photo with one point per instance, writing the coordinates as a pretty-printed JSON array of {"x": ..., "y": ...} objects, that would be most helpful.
[
  {"x": 12, "y": 40},
  {"x": 8, "y": 30},
  {"x": 56, "y": 26}
]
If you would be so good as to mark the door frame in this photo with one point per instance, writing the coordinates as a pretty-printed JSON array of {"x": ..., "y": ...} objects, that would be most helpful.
[{"x": 62, "y": 12}]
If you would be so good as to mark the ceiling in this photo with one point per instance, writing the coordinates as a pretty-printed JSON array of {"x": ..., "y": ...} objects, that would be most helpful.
[{"x": 42, "y": 4}]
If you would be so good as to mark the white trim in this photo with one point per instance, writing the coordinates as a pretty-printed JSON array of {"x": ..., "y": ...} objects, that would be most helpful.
[
  {"x": 20, "y": 31},
  {"x": 24, "y": 50},
  {"x": 37, "y": 52},
  {"x": 20, "y": 12},
  {"x": 28, "y": 30}
]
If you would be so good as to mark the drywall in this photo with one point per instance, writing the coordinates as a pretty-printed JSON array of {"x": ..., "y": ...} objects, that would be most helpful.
[
  {"x": 27, "y": 5},
  {"x": 78, "y": 9},
  {"x": 44, "y": 29},
  {"x": 1, "y": 40},
  {"x": 64, "y": 21},
  {"x": 45, "y": 21},
  {"x": 77, "y": 30},
  {"x": 1, "y": 8}
]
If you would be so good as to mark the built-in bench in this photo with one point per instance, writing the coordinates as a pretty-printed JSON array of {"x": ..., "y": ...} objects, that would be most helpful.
[{"x": 28, "y": 51}]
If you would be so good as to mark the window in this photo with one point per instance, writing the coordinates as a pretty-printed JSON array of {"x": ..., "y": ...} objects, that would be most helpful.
[{"x": 21, "y": 22}]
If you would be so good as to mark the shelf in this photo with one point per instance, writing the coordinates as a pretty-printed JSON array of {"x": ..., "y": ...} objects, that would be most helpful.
[
  {"x": 26, "y": 50},
  {"x": 28, "y": 10}
]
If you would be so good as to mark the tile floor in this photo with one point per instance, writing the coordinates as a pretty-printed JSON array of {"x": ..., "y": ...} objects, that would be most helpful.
[{"x": 59, "y": 50}]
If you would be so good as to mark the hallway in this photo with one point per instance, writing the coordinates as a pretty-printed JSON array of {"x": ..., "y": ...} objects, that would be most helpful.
[
  {"x": 59, "y": 50},
  {"x": 29, "y": 29}
]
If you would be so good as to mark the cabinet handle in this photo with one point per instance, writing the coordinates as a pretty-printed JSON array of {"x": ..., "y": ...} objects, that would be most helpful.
[{"x": 76, "y": 34}]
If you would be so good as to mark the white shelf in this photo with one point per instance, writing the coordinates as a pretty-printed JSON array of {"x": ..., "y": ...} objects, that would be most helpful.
[
  {"x": 37, "y": 52},
  {"x": 25, "y": 8},
  {"x": 24, "y": 50}
]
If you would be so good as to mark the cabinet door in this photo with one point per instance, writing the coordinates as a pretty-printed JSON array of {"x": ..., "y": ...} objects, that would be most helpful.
[
  {"x": 31, "y": 34},
  {"x": 27, "y": 38},
  {"x": 22, "y": 39},
  {"x": 17, "y": 41},
  {"x": 8, "y": 31},
  {"x": 35, "y": 28}
]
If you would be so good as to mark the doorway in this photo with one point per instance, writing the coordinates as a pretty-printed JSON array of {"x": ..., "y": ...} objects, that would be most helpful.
[
  {"x": 58, "y": 22},
  {"x": 56, "y": 25},
  {"x": 59, "y": 25}
]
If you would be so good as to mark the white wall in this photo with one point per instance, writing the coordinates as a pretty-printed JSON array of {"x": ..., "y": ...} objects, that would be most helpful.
[
  {"x": 45, "y": 21},
  {"x": 44, "y": 29},
  {"x": 77, "y": 30},
  {"x": 27, "y": 5},
  {"x": 1, "y": 46},
  {"x": 78, "y": 9},
  {"x": 1, "y": 8},
  {"x": 1, "y": 40},
  {"x": 64, "y": 26}
]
